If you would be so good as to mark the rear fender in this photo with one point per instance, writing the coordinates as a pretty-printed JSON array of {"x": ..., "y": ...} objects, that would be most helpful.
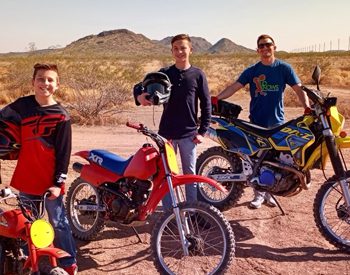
[{"x": 82, "y": 154}]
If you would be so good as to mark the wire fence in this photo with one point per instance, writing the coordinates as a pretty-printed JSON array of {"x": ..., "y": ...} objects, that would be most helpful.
[{"x": 331, "y": 45}]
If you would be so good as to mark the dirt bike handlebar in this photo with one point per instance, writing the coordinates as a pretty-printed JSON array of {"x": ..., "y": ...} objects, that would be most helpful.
[
  {"x": 158, "y": 139},
  {"x": 7, "y": 193},
  {"x": 135, "y": 126},
  {"x": 313, "y": 95}
]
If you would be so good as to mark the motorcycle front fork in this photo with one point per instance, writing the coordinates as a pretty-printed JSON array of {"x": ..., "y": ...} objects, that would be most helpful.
[{"x": 182, "y": 223}]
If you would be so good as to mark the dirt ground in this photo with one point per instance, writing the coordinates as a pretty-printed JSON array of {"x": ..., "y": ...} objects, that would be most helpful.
[{"x": 266, "y": 241}]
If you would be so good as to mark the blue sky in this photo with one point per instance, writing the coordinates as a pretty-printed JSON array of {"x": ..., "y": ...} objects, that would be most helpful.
[{"x": 293, "y": 24}]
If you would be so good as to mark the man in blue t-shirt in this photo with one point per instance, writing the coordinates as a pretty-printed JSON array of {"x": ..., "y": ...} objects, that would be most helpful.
[{"x": 267, "y": 81}]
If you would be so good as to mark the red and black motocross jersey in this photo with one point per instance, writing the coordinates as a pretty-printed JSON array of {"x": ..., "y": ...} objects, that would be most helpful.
[{"x": 46, "y": 138}]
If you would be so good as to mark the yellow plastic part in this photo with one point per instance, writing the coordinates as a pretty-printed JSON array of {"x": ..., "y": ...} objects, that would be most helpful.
[{"x": 42, "y": 233}]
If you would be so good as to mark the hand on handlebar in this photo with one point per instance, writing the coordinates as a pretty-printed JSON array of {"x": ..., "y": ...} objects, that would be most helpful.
[
  {"x": 54, "y": 192},
  {"x": 214, "y": 103}
]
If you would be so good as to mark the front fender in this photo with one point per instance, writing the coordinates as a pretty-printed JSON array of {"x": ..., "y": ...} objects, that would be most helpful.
[
  {"x": 343, "y": 142},
  {"x": 178, "y": 180},
  {"x": 51, "y": 252},
  {"x": 188, "y": 179}
]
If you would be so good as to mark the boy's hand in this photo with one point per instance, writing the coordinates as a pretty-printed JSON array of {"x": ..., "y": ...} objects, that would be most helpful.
[
  {"x": 215, "y": 103},
  {"x": 55, "y": 192},
  {"x": 143, "y": 100},
  {"x": 198, "y": 139}
]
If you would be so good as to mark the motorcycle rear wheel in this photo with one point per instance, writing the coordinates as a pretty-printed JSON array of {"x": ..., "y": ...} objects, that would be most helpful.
[
  {"x": 215, "y": 160},
  {"x": 331, "y": 216},
  {"x": 85, "y": 225},
  {"x": 211, "y": 241}
]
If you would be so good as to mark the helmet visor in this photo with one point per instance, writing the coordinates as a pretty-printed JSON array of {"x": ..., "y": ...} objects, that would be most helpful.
[{"x": 155, "y": 88}]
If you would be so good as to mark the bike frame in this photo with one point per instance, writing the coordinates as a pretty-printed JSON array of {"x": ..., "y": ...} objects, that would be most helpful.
[{"x": 97, "y": 175}]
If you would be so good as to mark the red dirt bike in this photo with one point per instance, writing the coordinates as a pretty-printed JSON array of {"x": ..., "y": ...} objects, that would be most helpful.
[
  {"x": 24, "y": 226},
  {"x": 192, "y": 236}
]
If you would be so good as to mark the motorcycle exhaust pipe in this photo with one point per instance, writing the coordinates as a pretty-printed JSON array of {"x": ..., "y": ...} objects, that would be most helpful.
[{"x": 77, "y": 167}]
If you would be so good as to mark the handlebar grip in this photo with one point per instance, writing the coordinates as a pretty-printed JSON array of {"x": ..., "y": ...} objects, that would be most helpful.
[
  {"x": 5, "y": 192},
  {"x": 47, "y": 193},
  {"x": 312, "y": 95},
  {"x": 134, "y": 126}
]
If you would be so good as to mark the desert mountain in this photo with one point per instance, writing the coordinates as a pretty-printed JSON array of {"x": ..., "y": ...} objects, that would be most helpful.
[
  {"x": 200, "y": 45},
  {"x": 123, "y": 41},
  {"x": 225, "y": 45}
]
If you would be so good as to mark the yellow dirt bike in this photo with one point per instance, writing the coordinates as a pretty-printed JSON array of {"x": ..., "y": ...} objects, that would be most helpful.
[{"x": 279, "y": 160}]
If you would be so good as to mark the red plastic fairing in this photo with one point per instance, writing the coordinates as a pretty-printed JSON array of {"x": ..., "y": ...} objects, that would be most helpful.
[
  {"x": 96, "y": 175},
  {"x": 143, "y": 165},
  {"x": 12, "y": 224},
  {"x": 83, "y": 154}
]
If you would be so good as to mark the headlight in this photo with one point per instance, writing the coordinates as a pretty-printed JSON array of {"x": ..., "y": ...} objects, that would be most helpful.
[{"x": 41, "y": 233}]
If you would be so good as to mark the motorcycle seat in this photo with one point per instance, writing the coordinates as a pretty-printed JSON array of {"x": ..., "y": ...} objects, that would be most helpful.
[
  {"x": 110, "y": 161},
  {"x": 261, "y": 131}
]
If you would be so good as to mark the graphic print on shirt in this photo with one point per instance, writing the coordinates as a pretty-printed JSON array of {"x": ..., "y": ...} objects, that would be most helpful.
[
  {"x": 41, "y": 126},
  {"x": 262, "y": 86}
]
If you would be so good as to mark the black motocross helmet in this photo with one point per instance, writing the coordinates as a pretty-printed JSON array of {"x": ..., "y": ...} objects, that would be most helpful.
[
  {"x": 9, "y": 140},
  {"x": 158, "y": 87}
]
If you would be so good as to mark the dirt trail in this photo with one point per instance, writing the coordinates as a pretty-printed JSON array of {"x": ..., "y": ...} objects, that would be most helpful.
[{"x": 266, "y": 241}]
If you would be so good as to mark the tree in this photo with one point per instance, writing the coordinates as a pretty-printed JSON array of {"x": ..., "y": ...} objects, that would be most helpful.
[{"x": 32, "y": 47}]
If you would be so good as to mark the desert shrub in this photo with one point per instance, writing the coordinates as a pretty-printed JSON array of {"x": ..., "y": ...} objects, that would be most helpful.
[{"x": 96, "y": 96}]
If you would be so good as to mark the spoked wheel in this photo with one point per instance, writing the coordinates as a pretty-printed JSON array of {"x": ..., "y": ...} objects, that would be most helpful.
[
  {"x": 209, "y": 239},
  {"x": 49, "y": 270},
  {"x": 82, "y": 200},
  {"x": 216, "y": 161},
  {"x": 332, "y": 216}
]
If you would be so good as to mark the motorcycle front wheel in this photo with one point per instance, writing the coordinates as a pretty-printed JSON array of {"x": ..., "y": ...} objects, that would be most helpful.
[
  {"x": 49, "y": 270},
  {"x": 331, "y": 214},
  {"x": 210, "y": 239},
  {"x": 85, "y": 224},
  {"x": 216, "y": 160}
]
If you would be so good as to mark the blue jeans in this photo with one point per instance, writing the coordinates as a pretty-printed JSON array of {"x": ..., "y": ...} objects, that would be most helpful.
[
  {"x": 188, "y": 152},
  {"x": 58, "y": 219}
]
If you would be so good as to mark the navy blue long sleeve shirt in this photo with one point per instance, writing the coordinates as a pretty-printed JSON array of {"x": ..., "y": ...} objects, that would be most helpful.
[{"x": 180, "y": 115}]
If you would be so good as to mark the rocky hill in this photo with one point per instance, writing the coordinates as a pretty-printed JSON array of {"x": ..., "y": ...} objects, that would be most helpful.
[
  {"x": 123, "y": 41},
  {"x": 199, "y": 44},
  {"x": 225, "y": 45}
]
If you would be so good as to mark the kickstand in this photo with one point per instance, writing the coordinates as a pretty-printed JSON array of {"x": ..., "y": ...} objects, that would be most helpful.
[
  {"x": 137, "y": 234},
  {"x": 278, "y": 204}
]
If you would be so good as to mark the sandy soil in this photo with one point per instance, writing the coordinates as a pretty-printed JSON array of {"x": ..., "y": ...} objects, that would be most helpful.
[{"x": 266, "y": 241}]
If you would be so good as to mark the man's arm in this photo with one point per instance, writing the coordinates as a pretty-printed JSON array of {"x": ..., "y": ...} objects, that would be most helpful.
[
  {"x": 304, "y": 100},
  {"x": 230, "y": 90}
]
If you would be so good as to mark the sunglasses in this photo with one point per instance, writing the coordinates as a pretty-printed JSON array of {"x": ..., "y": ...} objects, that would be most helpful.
[{"x": 262, "y": 45}]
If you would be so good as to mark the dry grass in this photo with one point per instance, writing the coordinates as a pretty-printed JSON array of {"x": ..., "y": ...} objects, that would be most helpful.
[{"x": 97, "y": 88}]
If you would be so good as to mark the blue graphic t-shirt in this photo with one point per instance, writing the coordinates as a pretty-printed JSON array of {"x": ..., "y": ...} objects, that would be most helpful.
[{"x": 267, "y": 84}]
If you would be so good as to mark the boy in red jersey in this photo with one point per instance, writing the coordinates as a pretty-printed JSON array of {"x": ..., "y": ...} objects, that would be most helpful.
[{"x": 43, "y": 160}]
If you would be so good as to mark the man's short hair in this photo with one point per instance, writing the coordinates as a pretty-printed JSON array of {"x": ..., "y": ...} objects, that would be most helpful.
[
  {"x": 181, "y": 36},
  {"x": 264, "y": 36}
]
